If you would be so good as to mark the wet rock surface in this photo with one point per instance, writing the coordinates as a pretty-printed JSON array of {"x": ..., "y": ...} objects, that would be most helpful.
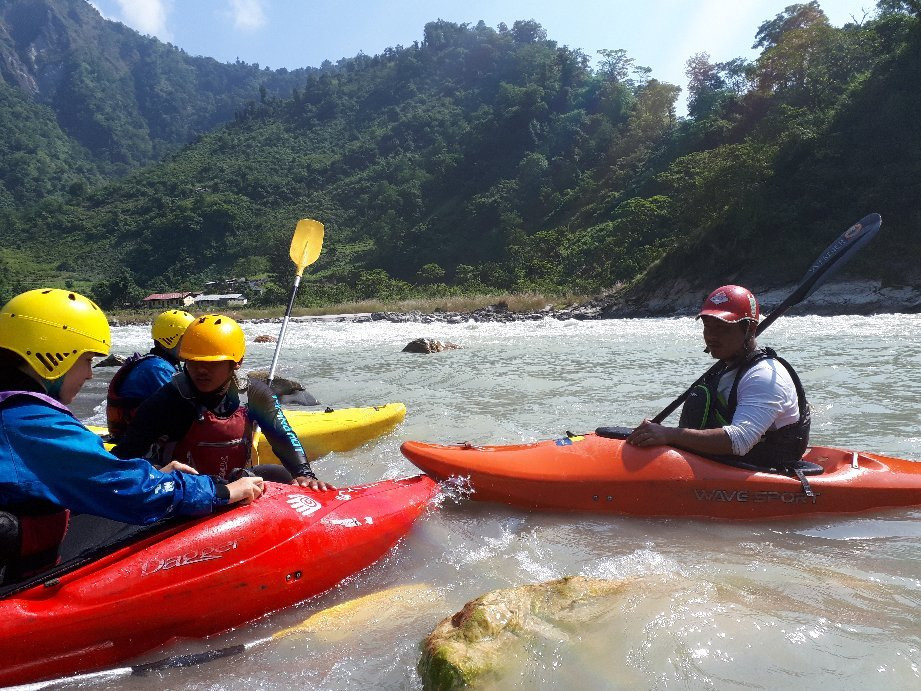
[
  {"x": 428, "y": 345},
  {"x": 472, "y": 647},
  {"x": 112, "y": 360},
  {"x": 289, "y": 391}
]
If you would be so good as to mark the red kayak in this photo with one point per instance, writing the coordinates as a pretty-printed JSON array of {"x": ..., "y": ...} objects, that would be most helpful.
[
  {"x": 593, "y": 473},
  {"x": 201, "y": 577}
]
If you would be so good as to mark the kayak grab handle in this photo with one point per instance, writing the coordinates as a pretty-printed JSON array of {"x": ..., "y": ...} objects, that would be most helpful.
[{"x": 854, "y": 460}]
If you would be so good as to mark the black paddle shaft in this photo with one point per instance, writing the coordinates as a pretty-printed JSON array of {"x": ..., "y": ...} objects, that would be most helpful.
[{"x": 828, "y": 264}]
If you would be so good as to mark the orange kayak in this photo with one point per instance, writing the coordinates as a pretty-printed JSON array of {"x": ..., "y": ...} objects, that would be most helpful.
[{"x": 593, "y": 473}]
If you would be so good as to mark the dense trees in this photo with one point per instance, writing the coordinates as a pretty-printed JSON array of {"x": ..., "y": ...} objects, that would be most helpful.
[
  {"x": 124, "y": 100},
  {"x": 485, "y": 159}
]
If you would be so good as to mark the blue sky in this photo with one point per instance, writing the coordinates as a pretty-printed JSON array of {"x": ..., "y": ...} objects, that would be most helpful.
[{"x": 660, "y": 34}]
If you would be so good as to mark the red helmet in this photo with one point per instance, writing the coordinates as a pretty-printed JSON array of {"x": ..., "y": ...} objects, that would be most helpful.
[{"x": 731, "y": 304}]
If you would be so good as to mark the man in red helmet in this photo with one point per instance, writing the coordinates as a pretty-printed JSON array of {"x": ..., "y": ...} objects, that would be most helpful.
[{"x": 752, "y": 409}]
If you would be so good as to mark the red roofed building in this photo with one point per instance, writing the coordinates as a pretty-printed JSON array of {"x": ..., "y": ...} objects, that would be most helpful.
[{"x": 169, "y": 300}]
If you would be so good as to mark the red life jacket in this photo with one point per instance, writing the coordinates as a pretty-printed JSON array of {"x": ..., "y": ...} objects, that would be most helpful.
[
  {"x": 215, "y": 445},
  {"x": 40, "y": 538},
  {"x": 120, "y": 409}
]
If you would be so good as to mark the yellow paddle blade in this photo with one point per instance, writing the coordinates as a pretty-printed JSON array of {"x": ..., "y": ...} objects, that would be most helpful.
[
  {"x": 360, "y": 613},
  {"x": 306, "y": 243}
]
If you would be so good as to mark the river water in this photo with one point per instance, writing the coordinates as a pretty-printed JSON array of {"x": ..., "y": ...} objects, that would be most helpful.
[{"x": 824, "y": 602}]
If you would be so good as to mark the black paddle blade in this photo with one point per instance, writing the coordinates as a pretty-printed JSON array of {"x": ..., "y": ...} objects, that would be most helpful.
[
  {"x": 614, "y": 432},
  {"x": 186, "y": 660},
  {"x": 840, "y": 252},
  {"x": 832, "y": 260}
]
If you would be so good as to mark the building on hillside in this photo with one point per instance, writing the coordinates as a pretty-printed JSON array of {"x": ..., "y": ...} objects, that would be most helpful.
[
  {"x": 161, "y": 300},
  {"x": 206, "y": 302}
]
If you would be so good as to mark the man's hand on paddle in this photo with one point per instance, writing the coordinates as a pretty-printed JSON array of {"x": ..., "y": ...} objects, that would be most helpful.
[{"x": 649, "y": 433}]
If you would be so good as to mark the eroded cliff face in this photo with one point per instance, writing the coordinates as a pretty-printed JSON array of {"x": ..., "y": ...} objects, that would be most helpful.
[
  {"x": 35, "y": 38},
  {"x": 127, "y": 99}
]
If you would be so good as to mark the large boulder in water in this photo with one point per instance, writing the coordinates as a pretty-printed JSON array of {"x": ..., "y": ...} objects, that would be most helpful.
[
  {"x": 112, "y": 360},
  {"x": 428, "y": 345},
  {"x": 288, "y": 391},
  {"x": 475, "y": 645}
]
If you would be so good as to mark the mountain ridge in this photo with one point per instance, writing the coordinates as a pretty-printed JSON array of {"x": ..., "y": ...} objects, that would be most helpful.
[{"x": 493, "y": 159}]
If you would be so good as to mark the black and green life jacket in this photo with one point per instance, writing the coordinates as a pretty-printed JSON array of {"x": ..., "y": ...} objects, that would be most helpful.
[{"x": 777, "y": 449}]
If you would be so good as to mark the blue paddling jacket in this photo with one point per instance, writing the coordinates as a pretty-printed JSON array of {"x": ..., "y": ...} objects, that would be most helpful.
[{"x": 46, "y": 454}]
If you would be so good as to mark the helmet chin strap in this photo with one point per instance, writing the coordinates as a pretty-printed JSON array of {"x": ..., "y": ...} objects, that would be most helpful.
[{"x": 750, "y": 344}]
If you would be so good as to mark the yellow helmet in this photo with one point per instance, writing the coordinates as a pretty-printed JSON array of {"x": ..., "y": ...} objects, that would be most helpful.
[
  {"x": 51, "y": 328},
  {"x": 211, "y": 338},
  {"x": 169, "y": 326}
]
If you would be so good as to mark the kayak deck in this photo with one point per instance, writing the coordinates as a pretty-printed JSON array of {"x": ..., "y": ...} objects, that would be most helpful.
[
  {"x": 204, "y": 576},
  {"x": 340, "y": 430}
]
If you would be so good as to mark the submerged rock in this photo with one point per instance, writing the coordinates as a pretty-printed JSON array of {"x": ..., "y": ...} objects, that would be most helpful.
[
  {"x": 374, "y": 613},
  {"x": 474, "y": 645},
  {"x": 428, "y": 345},
  {"x": 298, "y": 398},
  {"x": 265, "y": 338}
]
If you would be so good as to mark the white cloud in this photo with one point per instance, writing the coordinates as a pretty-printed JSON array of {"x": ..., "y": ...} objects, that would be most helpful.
[
  {"x": 247, "y": 14},
  {"x": 147, "y": 16}
]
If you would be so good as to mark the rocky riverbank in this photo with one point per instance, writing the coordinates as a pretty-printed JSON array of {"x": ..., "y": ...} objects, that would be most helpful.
[{"x": 846, "y": 297}]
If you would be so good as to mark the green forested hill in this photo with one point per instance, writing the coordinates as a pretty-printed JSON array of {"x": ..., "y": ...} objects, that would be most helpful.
[
  {"x": 488, "y": 158},
  {"x": 125, "y": 99}
]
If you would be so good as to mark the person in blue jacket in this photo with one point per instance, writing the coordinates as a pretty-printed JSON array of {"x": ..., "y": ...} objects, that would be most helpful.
[
  {"x": 142, "y": 375},
  {"x": 50, "y": 463}
]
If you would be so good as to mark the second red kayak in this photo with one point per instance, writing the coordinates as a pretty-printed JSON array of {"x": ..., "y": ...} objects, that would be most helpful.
[
  {"x": 202, "y": 577},
  {"x": 592, "y": 473}
]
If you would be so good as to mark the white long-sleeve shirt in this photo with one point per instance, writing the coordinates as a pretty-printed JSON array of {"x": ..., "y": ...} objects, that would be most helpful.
[{"x": 766, "y": 400}]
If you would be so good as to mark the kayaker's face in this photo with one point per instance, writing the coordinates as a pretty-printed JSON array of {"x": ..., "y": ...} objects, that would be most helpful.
[
  {"x": 725, "y": 340},
  {"x": 209, "y": 377},
  {"x": 80, "y": 373}
]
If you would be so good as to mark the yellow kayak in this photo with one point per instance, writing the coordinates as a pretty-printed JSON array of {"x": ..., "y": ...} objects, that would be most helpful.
[
  {"x": 339, "y": 430},
  {"x": 321, "y": 432}
]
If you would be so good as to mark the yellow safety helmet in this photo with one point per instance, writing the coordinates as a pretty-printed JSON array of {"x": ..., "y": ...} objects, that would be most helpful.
[
  {"x": 169, "y": 326},
  {"x": 212, "y": 338},
  {"x": 51, "y": 328}
]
